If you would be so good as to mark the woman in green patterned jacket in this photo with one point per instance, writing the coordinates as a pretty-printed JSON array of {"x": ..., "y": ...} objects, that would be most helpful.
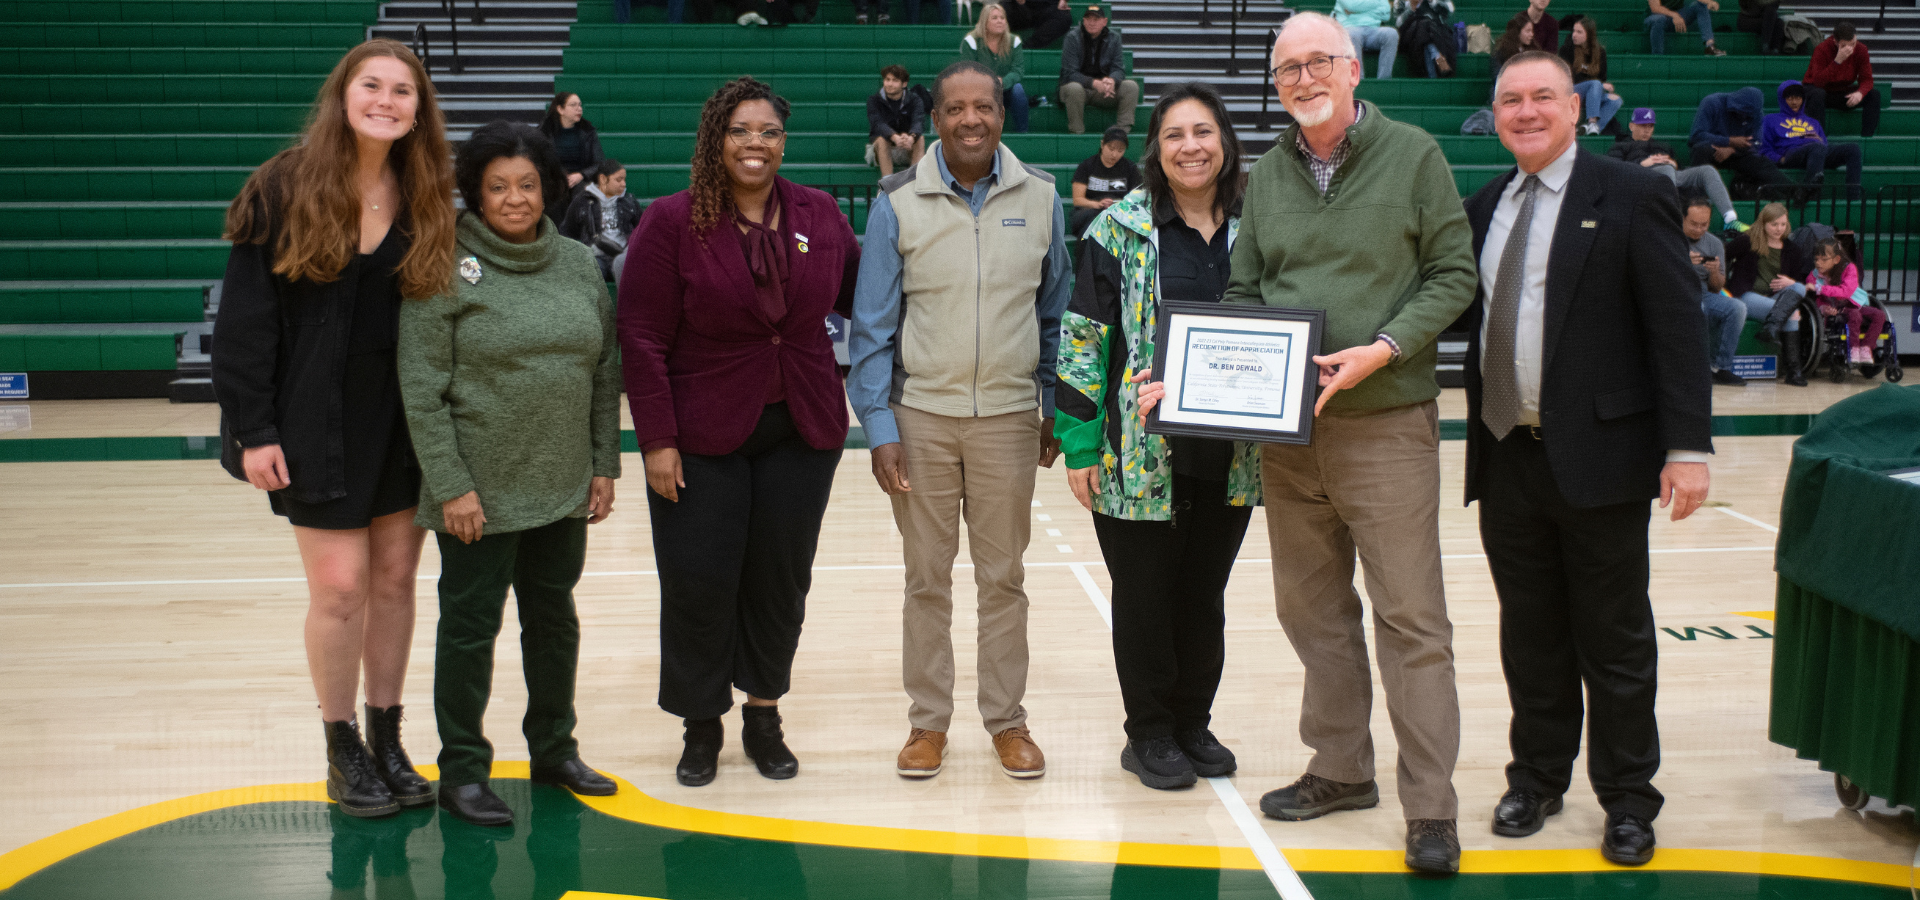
[{"x": 1169, "y": 512}]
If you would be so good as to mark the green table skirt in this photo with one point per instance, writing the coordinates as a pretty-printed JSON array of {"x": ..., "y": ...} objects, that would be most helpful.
[{"x": 1846, "y": 693}]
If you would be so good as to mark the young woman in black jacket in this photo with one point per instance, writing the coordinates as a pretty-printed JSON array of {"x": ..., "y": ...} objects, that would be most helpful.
[{"x": 328, "y": 237}]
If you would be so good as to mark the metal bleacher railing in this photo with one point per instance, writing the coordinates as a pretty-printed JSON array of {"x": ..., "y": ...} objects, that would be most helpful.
[{"x": 1883, "y": 227}]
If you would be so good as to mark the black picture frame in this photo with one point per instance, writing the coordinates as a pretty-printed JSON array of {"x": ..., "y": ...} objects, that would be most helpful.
[{"x": 1305, "y": 374}]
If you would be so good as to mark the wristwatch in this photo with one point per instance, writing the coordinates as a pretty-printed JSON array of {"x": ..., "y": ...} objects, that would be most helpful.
[{"x": 1393, "y": 346}]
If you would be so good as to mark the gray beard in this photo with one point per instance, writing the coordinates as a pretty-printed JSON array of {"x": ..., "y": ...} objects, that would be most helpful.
[{"x": 1314, "y": 118}]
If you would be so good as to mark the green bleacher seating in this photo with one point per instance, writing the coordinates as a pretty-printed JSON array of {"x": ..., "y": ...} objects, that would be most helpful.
[
  {"x": 103, "y": 351},
  {"x": 113, "y": 220},
  {"x": 34, "y": 303}
]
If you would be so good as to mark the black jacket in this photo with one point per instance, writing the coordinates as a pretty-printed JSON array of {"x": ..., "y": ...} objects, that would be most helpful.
[
  {"x": 1632, "y": 151},
  {"x": 1743, "y": 265},
  {"x": 582, "y": 222},
  {"x": 886, "y": 118},
  {"x": 279, "y": 361},
  {"x": 1624, "y": 377},
  {"x": 1107, "y": 58},
  {"x": 590, "y": 152}
]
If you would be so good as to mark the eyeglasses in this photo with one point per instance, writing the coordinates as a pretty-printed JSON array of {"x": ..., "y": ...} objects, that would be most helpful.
[
  {"x": 746, "y": 138},
  {"x": 1318, "y": 67}
]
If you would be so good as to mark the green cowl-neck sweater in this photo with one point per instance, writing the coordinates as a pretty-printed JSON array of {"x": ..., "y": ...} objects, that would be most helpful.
[{"x": 512, "y": 381}]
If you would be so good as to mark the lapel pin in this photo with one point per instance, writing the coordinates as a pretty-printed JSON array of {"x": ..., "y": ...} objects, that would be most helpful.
[
  {"x": 802, "y": 239},
  {"x": 470, "y": 269},
  {"x": 1589, "y": 223}
]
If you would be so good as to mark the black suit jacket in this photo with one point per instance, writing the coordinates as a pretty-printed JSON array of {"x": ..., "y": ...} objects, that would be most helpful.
[{"x": 1624, "y": 376}]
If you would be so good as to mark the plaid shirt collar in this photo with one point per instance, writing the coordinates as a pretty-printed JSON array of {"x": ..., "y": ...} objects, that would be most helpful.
[{"x": 1323, "y": 169}]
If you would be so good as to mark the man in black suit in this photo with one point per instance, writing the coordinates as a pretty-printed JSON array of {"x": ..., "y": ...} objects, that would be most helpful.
[{"x": 1587, "y": 395}]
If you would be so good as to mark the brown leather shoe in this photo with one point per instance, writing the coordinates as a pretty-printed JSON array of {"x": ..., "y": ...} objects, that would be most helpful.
[
  {"x": 1020, "y": 757},
  {"x": 922, "y": 756}
]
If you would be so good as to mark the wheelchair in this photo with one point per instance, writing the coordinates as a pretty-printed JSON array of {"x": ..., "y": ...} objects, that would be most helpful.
[{"x": 1825, "y": 343}]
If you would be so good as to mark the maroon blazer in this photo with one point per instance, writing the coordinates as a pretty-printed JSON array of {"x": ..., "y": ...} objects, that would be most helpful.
[{"x": 699, "y": 352}]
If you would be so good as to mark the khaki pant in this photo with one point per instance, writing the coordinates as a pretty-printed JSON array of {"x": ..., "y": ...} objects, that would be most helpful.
[
  {"x": 1369, "y": 481},
  {"x": 1075, "y": 98},
  {"x": 981, "y": 469}
]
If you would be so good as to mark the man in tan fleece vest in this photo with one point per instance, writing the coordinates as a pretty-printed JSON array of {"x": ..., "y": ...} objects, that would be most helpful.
[{"x": 956, "y": 322}]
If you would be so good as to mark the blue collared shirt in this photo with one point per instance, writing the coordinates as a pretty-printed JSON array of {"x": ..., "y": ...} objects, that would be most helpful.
[{"x": 873, "y": 342}]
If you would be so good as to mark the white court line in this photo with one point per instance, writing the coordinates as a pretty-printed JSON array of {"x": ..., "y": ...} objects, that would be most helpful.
[
  {"x": 620, "y": 573},
  {"x": 1747, "y": 519},
  {"x": 1284, "y": 879}
]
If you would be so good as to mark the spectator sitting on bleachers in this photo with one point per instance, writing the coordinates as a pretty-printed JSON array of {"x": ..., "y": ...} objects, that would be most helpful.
[
  {"x": 1516, "y": 39},
  {"x": 896, "y": 123},
  {"x": 1093, "y": 70},
  {"x": 1725, "y": 315},
  {"x": 1546, "y": 29},
  {"x": 1840, "y": 76},
  {"x": 1664, "y": 17},
  {"x": 1726, "y": 134},
  {"x": 1588, "y": 58},
  {"x": 1791, "y": 139},
  {"x": 993, "y": 44},
  {"x": 573, "y": 137},
  {"x": 1762, "y": 17},
  {"x": 1835, "y": 286},
  {"x": 1426, "y": 36},
  {"x": 1049, "y": 20},
  {"x": 1642, "y": 150},
  {"x": 1366, "y": 25},
  {"x": 1102, "y": 179},
  {"x": 1762, "y": 266},
  {"x": 602, "y": 216}
]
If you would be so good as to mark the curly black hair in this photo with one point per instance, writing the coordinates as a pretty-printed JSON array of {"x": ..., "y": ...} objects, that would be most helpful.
[
  {"x": 711, "y": 188},
  {"x": 502, "y": 139}
]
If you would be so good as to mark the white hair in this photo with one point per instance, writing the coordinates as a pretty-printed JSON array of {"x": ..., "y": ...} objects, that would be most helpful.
[{"x": 1303, "y": 19}]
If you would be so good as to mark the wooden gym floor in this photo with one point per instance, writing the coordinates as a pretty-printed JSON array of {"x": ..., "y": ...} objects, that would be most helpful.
[{"x": 161, "y": 739}]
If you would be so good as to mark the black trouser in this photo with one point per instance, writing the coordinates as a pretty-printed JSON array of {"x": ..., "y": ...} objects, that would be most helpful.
[
  {"x": 1818, "y": 103},
  {"x": 1169, "y": 597},
  {"x": 541, "y": 565},
  {"x": 1815, "y": 157},
  {"x": 1744, "y": 163},
  {"x": 736, "y": 559},
  {"x": 1766, "y": 24},
  {"x": 1049, "y": 22},
  {"x": 1574, "y": 610}
]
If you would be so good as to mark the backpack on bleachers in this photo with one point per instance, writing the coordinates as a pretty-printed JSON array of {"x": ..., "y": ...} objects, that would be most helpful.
[
  {"x": 1481, "y": 122},
  {"x": 1805, "y": 238}
]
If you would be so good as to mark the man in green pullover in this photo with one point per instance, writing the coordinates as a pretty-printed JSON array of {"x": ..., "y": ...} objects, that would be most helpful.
[{"x": 1356, "y": 215}]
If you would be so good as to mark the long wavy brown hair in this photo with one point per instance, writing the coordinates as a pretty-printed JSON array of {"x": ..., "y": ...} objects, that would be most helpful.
[
  {"x": 710, "y": 185},
  {"x": 1589, "y": 59},
  {"x": 306, "y": 202}
]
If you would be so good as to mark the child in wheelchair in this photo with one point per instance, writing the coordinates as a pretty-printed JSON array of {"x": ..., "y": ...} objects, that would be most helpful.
[{"x": 1834, "y": 288}]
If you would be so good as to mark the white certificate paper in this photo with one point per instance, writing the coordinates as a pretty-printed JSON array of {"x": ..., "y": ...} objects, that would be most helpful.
[{"x": 1229, "y": 372}]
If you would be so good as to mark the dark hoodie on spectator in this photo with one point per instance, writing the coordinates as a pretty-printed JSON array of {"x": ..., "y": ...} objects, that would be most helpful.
[
  {"x": 1725, "y": 115},
  {"x": 1785, "y": 131}
]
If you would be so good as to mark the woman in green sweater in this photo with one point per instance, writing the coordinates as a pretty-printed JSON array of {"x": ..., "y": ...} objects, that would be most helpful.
[
  {"x": 994, "y": 45},
  {"x": 512, "y": 391}
]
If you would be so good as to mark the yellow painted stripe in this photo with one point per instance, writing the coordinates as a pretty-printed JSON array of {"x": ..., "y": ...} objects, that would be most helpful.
[
  {"x": 596, "y": 895},
  {"x": 635, "y": 806},
  {"x": 1766, "y": 614}
]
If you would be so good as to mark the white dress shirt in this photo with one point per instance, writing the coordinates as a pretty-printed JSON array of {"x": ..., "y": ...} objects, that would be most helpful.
[{"x": 1530, "y": 325}]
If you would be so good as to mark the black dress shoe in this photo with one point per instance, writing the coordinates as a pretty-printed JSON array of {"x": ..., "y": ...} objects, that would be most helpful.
[
  {"x": 1158, "y": 762},
  {"x": 1433, "y": 846},
  {"x": 765, "y": 743},
  {"x": 701, "y": 759},
  {"x": 476, "y": 803},
  {"x": 1521, "y": 812},
  {"x": 577, "y": 777},
  {"x": 1210, "y": 758},
  {"x": 1628, "y": 840}
]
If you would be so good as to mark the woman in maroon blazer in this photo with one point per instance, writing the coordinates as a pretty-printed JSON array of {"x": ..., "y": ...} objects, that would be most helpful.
[{"x": 741, "y": 413}]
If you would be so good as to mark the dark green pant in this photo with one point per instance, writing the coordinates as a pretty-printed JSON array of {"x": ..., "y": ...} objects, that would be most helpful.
[{"x": 541, "y": 565}]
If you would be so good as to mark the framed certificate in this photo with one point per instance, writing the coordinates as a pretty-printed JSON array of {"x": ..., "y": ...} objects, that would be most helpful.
[{"x": 1243, "y": 373}]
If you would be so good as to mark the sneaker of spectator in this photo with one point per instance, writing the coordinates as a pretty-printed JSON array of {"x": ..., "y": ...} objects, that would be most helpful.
[
  {"x": 1840, "y": 76},
  {"x": 1792, "y": 139},
  {"x": 1663, "y": 17},
  {"x": 1093, "y": 70},
  {"x": 896, "y": 123},
  {"x": 1642, "y": 150},
  {"x": 1102, "y": 179}
]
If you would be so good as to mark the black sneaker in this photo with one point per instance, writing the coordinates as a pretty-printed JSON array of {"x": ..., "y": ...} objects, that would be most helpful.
[
  {"x": 1433, "y": 846},
  {"x": 1209, "y": 757},
  {"x": 1158, "y": 762},
  {"x": 1312, "y": 797},
  {"x": 1726, "y": 377}
]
